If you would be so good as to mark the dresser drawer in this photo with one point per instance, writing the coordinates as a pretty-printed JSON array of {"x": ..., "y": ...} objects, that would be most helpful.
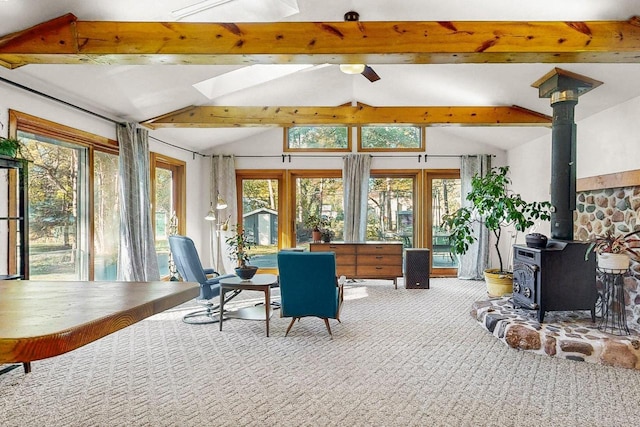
[
  {"x": 345, "y": 259},
  {"x": 348, "y": 271},
  {"x": 381, "y": 249},
  {"x": 330, "y": 247},
  {"x": 394, "y": 260},
  {"x": 365, "y": 271}
]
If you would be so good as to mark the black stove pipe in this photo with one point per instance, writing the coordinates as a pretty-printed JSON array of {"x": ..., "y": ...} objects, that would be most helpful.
[
  {"x": 563, "y": 164},
  {"x": 563, "y": 88}
]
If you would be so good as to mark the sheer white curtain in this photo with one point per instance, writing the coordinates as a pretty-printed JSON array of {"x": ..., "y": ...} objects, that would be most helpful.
[
  {"x": 137, "y": 259},
  {"x": 473, "y": 263},
  {"x": 223, "y": 183},
  {"x": 355, "y": 182}
]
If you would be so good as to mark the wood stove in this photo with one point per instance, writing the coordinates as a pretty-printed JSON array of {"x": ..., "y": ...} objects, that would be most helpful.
[{"x": 554, "y": 278}]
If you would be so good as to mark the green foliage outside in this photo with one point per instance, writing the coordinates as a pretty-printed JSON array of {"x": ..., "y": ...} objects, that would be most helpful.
[
  {"x": 391, "y": 136},
  {"x": 318, "y": 137}
]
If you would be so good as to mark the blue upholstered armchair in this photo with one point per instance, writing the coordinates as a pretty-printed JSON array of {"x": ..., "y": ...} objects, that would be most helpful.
[
  {"x": 309, "y": 287},
  {"x": 190, "y": 269}
]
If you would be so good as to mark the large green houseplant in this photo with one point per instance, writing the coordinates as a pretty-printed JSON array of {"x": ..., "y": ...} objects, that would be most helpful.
[{"x": 495, "y": 206}]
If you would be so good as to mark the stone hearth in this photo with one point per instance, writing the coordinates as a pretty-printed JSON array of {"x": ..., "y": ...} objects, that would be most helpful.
[{"x": 567, "y": 334}]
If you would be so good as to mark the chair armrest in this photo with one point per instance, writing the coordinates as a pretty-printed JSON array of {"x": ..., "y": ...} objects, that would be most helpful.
[
  {"x": 209, "y": 271},
  {"x": 216, "y": 280}
]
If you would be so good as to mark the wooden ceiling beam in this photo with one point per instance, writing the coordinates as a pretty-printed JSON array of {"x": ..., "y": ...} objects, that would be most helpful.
[
  {"x": 66, "y": 40},
  {"x": 219, "y": 117}
]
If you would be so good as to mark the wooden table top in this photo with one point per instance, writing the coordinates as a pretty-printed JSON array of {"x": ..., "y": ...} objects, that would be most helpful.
[{"x": 40, "y": 319}]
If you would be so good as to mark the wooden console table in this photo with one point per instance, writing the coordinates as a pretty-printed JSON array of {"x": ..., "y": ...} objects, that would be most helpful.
[
  {"x": 41, "y": 319},
  {"x": 371, "y": 260}
]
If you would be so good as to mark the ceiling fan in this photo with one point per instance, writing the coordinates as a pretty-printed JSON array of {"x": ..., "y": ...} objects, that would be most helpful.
[{"x": 363, "y": 69}]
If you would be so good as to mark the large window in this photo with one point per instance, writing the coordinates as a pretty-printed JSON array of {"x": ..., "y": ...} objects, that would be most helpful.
[
  {"x": 168, "y": 201},
  {"x": 317, "y": 193},
  {"x": 74, "y": 216},
  {"x": 261, "y": 204},
  {"x": 72, "y": 202},
  {"x": 390, "y": 215},
  {"x": 444, "y": 187}
]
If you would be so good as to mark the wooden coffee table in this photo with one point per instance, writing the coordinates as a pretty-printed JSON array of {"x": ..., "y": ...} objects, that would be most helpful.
[
  {"x": 40, "y": 319},
  {"x": 259, "y": 282}
]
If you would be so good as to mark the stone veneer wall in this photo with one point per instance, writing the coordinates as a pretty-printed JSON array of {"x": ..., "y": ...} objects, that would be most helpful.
[{"x": 618, "y": 210}]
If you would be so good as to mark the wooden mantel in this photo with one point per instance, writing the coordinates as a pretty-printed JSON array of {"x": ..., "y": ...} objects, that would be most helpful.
[
  {"x": 67, "y": 40},
  {"x": 613, "y": 180}
]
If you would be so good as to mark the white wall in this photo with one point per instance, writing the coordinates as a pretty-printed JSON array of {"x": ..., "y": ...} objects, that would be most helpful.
[
  {"x": 270, "y": 143},
  {"x": 25, "y": 102}
]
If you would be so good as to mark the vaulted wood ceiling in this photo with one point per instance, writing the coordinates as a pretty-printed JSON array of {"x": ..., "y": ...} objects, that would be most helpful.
[{"x": 67, "y": 40}]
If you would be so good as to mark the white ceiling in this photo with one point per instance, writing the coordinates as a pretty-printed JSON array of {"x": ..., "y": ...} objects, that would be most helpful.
[{"x": 137, "y": 93}]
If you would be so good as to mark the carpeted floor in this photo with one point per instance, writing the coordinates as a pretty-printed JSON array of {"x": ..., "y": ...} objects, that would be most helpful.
[{"x": 399, "y": 358}]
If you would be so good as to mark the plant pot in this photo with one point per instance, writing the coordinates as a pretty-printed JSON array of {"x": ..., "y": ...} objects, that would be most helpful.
[
  {"x": 613, "y": 262},
  {"x": 246, "y": 273},
  {"x": 316, "y": 236},
  {"x": 498, "y": 284}
]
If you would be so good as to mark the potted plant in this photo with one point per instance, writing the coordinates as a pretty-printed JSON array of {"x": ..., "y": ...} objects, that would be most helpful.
[
  {"x": 316, "y": 223},
  {"x": 614, "y": 251},
  {"x": 495, "y": 206},
  {"x": 238, "y": 246},
  {"x": 10, "y": 147},
  {"x": 326, "y": 234}
]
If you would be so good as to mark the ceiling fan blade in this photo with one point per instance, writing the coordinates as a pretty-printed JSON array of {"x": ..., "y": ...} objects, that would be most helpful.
[{"x": 371, "y": 75}]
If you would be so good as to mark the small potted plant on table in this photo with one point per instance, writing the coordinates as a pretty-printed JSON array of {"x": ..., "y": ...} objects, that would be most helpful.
[
  {"x": 316, "y": 224},
  {"x": 238, "y": 246}
]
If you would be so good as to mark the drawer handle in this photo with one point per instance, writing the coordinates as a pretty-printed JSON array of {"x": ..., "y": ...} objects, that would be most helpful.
[
  {"x": 332, "y": 247},
  {"x": 378, "y": 247},
  {"x": 379, "y": 257},
  {"x": 378, "y": 268}
]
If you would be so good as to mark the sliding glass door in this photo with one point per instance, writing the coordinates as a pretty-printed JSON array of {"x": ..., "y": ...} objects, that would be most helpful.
[{"x": 58, "y": 201}]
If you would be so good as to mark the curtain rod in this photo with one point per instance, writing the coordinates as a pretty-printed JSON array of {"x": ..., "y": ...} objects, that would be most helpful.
[{"x": 288, "y": 157}]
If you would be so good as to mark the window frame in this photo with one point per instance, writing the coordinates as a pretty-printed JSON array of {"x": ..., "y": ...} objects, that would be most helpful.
[
  {"x": 283, "y": 219},
  {"x": 19, "y": 121},
  {"x": 286, "y": 148},
  {"x": 423, "y": 145},
  {"x": 429, "y": 176}
]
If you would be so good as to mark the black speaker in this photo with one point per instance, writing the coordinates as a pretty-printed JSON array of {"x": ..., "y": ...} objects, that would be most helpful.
[{"x": 416, "y": 268}]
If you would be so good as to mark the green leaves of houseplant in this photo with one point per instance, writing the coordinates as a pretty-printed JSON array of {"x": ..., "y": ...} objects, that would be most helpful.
[{"x": 495, "y": 206}]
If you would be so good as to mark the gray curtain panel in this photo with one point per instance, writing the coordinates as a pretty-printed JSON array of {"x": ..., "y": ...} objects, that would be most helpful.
[
  {"x": 223, "y": 182},
  {"x": 355, "y": 181},
  {"x": 473, "y": 263},
  {"x": 137, "y": 261}
]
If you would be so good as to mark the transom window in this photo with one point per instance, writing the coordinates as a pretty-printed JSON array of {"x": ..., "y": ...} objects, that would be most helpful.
[
  {"x": 317, "y": 138},
  {"x": 391, "y": 138}
]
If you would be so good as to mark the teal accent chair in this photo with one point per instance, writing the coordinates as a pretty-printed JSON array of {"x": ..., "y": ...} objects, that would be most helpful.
[
  {"x": 190, "y": 269},
  {"x": 309, "y": 287}
]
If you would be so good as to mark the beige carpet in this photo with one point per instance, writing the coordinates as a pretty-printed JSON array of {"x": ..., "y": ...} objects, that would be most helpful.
[{"x": 399, "y": 358}]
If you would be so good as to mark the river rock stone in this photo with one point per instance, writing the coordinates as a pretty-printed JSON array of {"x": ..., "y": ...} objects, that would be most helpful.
[
  {"x": 618, "y": 354},
  {"x": 576, "y": 347},
  {"x": 523, "y": 338}
]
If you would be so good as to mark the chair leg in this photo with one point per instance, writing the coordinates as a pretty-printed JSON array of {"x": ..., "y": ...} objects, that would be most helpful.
[
  {"x": 326, "y": 323},
  {"x": 290, "y": 325}
]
